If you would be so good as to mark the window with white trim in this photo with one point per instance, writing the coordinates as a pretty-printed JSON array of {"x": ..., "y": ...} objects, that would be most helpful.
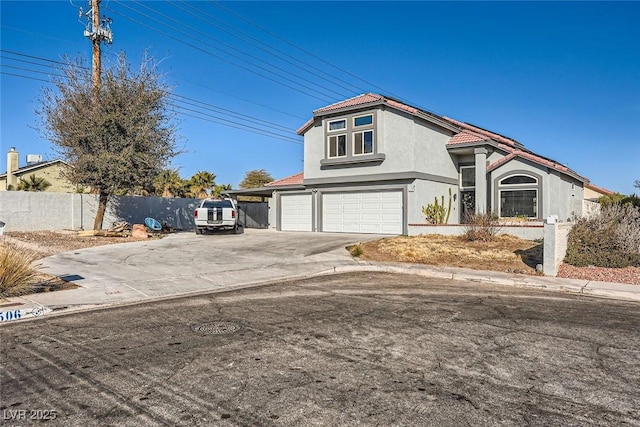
[
  {"x": 518, "y": 196},
  {"x": 363, "y": 120},
  {"x": 337, "y": 146},
  {"x": 467, "y": 177},
  {"x": 351, "y": 139},
  {"x": 337, "y": 125},
  {"x": 363, "y": 142}
]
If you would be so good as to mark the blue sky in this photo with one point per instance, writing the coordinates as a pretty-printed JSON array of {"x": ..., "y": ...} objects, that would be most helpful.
[{"x": 561, "y": 78}]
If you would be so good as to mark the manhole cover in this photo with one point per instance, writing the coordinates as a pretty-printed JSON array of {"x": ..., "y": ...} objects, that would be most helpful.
[{"x": 218, "y": 328}]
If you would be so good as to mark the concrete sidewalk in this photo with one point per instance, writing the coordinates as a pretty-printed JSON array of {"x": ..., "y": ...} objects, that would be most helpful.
[{"x": 183, "y": 263}]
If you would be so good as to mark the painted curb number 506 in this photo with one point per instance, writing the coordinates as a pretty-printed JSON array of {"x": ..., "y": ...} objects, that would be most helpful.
[{"x": 5, "y": 316}]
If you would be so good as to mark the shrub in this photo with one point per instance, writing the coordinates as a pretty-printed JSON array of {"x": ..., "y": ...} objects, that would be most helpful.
[
  {"x": 610, "y": 239},
  {"x": 17, "y": 269},
  {"x": 483, "y": 227},
  {"x": 356, "y": 250}
]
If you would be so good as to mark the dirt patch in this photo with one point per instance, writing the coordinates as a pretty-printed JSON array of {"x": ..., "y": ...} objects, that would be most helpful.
[
  {"x": 505, "y": 253},
  {"x": 47, "y": 243}
]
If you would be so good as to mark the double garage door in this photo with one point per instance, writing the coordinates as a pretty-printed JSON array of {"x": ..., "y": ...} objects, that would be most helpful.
[{"x": 352, "y": 212}]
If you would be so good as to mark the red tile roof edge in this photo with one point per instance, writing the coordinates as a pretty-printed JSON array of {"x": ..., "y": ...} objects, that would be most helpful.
[
  {"x": 495, "y": 136},
  {"x": 599, "y": 189},
  {"x": 536, "y": 159},
  {"x": 289, "y": 180},
  {"x": 466, "y": 137}
]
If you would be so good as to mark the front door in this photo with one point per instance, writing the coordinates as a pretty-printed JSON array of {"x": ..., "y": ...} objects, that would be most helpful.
[{"x": 467, "y": 205}]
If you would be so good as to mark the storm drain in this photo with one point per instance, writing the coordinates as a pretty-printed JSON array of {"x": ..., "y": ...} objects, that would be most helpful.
[{"x": 218, "y": 328}]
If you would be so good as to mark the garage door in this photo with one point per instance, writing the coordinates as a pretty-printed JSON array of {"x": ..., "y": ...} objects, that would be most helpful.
[
  {"x": 363, "y": 212},
  {"x": 295, "y": 212}
]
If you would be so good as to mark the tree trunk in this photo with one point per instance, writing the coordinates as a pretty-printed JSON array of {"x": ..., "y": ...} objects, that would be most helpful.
[{"x": 102, "y": 207}]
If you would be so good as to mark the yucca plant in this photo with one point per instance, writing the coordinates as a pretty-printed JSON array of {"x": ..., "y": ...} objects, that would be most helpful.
[{"x": 17, "y": 269}]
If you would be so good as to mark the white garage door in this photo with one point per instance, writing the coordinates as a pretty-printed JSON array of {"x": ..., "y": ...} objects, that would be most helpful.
[
  {"x": 295, "y": 212},
  {"x": 365, "y": 212}
]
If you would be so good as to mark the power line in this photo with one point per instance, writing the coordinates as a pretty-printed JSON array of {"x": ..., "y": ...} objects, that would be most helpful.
[
  {"x": 229, "y": 112},
  {"x": 281, "y": 54},
  {"x": 181, "y": 110},
  {"x": 296, "y": 46},
  {"x": 24, "y": 77},
  {"x": 217, "y": 40},
  {"x": 192, "y": 101},
  {"x": 231, "y": 123},
  {"x": 220, "y": 57}
]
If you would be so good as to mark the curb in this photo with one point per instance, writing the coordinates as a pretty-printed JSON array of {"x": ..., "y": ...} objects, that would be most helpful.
[
  {"x": 22, "y": 309},
  {"x": 578, "y": 286}
]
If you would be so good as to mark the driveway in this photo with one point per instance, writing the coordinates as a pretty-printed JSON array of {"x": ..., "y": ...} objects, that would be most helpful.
[
  {"x": 183, "y": 263},
  {"x": 359, "y": 349}
]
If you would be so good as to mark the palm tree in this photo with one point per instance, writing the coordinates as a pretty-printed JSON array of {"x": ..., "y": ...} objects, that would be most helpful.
[
  {"x": 220, "y": 188},
  {"x": 169, "y": 184},
  {"x": 202, "y": 183},
  {"x": 33, "y": 183}
]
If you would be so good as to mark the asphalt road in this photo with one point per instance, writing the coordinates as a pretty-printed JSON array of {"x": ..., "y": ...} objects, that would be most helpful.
[{"x": 351, "y": 349}]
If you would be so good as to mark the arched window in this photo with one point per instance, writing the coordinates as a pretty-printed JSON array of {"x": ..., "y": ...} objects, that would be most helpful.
[
  {"x": 518, "y": 196},
  {"x": 518, "y": 179}
]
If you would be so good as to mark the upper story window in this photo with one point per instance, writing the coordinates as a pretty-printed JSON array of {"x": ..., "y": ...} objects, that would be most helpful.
[
  {"x": 337, "y": 146},
  {"x": 350, "y": 139},
  {"x": 337, "y": 125},
  {"x": 363, "y": 120},
  {"x": 363, "y": 142},
  {"x": 467, "y": 176}
]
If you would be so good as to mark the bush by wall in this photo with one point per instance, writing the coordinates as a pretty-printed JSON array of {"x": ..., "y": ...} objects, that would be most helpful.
[
  {"x": 484, "y": 227},
  {"x": 17, "y": 269},
  {"x": 610, "y": 239}
]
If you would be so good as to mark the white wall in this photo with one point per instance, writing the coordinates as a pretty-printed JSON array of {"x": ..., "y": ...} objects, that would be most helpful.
[{"x": 28, "y": 211}]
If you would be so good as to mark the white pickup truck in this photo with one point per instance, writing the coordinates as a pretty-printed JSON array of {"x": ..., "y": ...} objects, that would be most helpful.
[{"x": 217, "y": 214}]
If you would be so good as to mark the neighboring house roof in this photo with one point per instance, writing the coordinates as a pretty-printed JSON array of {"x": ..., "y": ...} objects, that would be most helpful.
[
  {"x": 290, "y": 180},
  {"x": 599, "y": 189},
  {"x": 34, "y": 167}
]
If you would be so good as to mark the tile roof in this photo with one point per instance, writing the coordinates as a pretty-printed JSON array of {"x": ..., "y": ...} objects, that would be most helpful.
[
  {"x": 34, "y": 166},
  {"x": 536, "y": 159},
  {"x": 464, "y": 133},
  {"x": 465, "y": 138},
  {"x": 478, "y": 130},
  {"x": 365, "y": 98},
  {"x": 290, "y": 180}
]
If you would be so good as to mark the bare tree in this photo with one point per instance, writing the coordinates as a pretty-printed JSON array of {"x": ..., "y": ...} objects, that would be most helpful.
[{"x": 123, "y": 141}]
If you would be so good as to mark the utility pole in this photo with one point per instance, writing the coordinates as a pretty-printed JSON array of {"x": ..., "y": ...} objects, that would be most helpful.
[{"x": 97, "y": 30}]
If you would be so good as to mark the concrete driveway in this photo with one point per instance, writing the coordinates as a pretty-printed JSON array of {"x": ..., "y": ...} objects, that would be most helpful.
[{"x": 183, "y": 263}]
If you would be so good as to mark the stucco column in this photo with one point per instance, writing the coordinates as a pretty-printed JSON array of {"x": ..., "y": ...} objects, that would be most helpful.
[{"x": 481, "y": 180}]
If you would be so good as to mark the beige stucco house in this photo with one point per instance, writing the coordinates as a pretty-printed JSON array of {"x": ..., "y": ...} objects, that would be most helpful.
[{"x": 51, "y": 170}]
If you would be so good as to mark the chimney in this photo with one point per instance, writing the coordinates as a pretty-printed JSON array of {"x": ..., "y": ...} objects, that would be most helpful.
[{"x": 12, "y": 166}]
